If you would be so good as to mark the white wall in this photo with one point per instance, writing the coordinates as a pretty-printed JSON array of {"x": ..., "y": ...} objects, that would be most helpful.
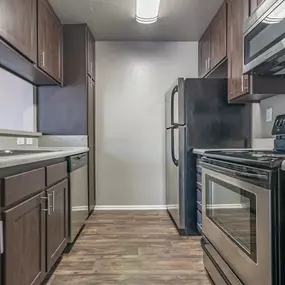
[
  {"x": 131, "y": 80},
  {"x": 16, "y": 103}
]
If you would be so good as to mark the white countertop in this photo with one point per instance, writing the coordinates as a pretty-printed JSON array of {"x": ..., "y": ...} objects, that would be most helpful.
[{"x": 57, "y": 152}]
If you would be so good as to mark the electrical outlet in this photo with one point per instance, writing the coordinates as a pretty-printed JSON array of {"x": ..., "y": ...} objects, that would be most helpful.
[
  {"x": 29, "y": 140},
  {"x": 269, "y": 114},
  {"x": 20, "y": 141}
]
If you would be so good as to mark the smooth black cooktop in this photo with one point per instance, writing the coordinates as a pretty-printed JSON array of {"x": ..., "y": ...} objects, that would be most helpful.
[{"x": 266, "y": 158}]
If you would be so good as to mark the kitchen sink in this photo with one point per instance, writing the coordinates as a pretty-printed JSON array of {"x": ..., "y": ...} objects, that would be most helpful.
[{"x": 4, "y": 153}]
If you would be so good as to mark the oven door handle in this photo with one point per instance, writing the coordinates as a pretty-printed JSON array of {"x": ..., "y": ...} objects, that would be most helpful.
[
  {"x": 237, "y": 173},
  {"x": 251, "y": 175}
]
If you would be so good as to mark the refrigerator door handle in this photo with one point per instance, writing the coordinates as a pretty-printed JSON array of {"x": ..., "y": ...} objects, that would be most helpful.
[
  {"x": 174, "y": 91},
  {"x": 175, "y": 161}
]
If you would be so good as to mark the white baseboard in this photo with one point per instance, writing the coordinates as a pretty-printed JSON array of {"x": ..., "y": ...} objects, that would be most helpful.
[
  {"x": 173, "y": 207},
  {"x": 79, "y": 208},
  {"x": 129, "y": 207},
  {"x": 226, "y": 206}
]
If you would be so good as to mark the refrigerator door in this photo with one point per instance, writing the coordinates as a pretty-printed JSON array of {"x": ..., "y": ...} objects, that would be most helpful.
[
  {"x": 175, "y": 196},
  {"x": 174, "y": 104}
]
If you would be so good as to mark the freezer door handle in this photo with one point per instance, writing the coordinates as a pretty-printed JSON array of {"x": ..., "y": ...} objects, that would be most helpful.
[
  {"x": 175, "y": 161},
  {"x": 174, "y": 91}
]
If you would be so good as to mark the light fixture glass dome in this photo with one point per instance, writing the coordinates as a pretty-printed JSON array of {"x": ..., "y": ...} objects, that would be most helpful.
[{"x": 147, "y": 11}]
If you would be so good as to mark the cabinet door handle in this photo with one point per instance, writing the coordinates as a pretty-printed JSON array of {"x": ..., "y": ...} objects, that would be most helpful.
[
  {"x": 242, "y": 87},
  {"x": 206, "y": 64},
  {"x": 1, "y": 238},
  {"x": 53, "y": 201},
  {"x": 49, "y": 206},
  {"x": 44, "y": 62}
]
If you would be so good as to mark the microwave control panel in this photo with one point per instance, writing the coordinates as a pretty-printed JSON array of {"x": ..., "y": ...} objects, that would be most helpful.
[{"x": 279, "y": 126}]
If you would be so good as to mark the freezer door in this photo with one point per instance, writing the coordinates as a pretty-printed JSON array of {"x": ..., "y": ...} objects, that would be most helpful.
[
  {"x": 174, "y": 105},
  {"x": 174, "y": 175}
]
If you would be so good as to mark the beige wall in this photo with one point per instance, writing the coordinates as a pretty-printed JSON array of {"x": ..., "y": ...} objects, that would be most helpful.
[{"x": 132, "y": 78}]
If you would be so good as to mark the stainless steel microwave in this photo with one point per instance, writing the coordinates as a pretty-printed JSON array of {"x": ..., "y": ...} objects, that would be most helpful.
[{"x": 264, "y": 39}]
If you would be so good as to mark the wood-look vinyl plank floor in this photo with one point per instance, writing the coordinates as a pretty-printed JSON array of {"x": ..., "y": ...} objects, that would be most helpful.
[{"x": 131, "y": 248}]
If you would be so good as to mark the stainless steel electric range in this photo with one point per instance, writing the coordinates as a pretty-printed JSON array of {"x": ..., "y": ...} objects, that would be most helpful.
[{"x": 244, "y": 214}]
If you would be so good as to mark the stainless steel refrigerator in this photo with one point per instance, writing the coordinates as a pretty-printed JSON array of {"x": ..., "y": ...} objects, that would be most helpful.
[{"x": 197, "y": 115}]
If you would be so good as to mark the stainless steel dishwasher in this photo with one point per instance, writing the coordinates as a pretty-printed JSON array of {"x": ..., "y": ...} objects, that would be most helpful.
[{"x": 78, "y": 193}]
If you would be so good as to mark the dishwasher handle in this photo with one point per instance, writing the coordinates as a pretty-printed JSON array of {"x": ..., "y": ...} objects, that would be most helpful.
[{"x": 77, "y": 161}]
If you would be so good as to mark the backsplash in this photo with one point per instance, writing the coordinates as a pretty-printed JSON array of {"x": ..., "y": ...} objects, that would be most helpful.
[
  {"x": 12, "y": 142},
  {"x": 277, "y": 103}
]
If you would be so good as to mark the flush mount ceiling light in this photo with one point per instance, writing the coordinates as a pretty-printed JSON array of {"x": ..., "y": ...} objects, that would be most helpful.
[{"x": 147, "y": 11}]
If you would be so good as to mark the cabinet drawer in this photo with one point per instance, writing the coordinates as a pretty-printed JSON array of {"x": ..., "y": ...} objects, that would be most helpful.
[
  {"x": 199, "y": 177},
  {"x": 199, "y": 206},
  {"x": 199, "y": 217},
  {"x": 19, "y": 186},
  {"x": 199, "y": 195},
  {"x": 56, "y": 173},
  {"x": 213, "y": 271},
  {"x": 199, "y": 169},
  {"x": 199, "y": 228}
]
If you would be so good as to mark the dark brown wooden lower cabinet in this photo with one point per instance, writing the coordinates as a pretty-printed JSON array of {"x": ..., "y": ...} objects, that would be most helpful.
[
  {"x": 57, "y": 222},
  {"x": 24, "y": 246}
]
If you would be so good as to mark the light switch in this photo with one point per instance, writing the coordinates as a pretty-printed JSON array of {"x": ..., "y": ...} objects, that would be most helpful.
[
  {"x": 29, "y": 140},
  {"x": 269, "y": 114},
  {"x": 20, "y": 141}
]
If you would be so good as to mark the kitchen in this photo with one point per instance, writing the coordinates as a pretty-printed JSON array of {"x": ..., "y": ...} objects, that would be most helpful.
[{"x": 113, "y": 128}]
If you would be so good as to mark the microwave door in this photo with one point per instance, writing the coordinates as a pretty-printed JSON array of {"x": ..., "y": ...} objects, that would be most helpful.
[{"x": 265, "y": 40}]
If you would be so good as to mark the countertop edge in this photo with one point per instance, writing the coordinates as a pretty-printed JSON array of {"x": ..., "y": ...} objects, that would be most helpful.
[{"x": 31, "y": 158}]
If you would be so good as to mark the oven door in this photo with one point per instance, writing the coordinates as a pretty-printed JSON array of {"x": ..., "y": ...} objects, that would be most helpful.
[
  {"x": 236, "y": 220},
  {"x": 264, "y": 39}
]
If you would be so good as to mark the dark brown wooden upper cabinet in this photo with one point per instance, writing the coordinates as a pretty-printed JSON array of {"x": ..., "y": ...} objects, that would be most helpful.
[
  {"x": 213, "y": 44},
  {"x": 238, "y": 84},
  {"x": 57, "y": 222},
  {"x": 205, "y": 53},
  {"x": 49, "y": 41},
  {"x": 219, "y": 37},
  {"x": 24, "y": 247},
  {"x": 18, "y": 26},
  {"x": 91, "y": 55}
]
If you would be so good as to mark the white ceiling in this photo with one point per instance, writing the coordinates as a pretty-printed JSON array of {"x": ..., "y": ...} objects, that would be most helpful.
[{"x": 179, "y": 20}]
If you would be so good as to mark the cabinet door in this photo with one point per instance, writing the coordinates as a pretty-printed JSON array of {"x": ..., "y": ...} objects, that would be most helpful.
[
  {"x": 237, "y": 82},
  {"x": 91, "y": 144},
  {"x": 49, "y": 40},
  {"x": 91, "y": 55},
  {"x": 204, "y": 53},
  {"x": 24, "y": 247},
  {"x": 219, "y": 36},
  {"x": 18, "y": 25},
  {"x": 57, "y": 221}
]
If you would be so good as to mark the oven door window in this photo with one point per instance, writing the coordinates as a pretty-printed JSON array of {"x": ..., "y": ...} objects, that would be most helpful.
[
  {"x": 268, "y": 33},
  {"x": 233, "y": 210}
]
